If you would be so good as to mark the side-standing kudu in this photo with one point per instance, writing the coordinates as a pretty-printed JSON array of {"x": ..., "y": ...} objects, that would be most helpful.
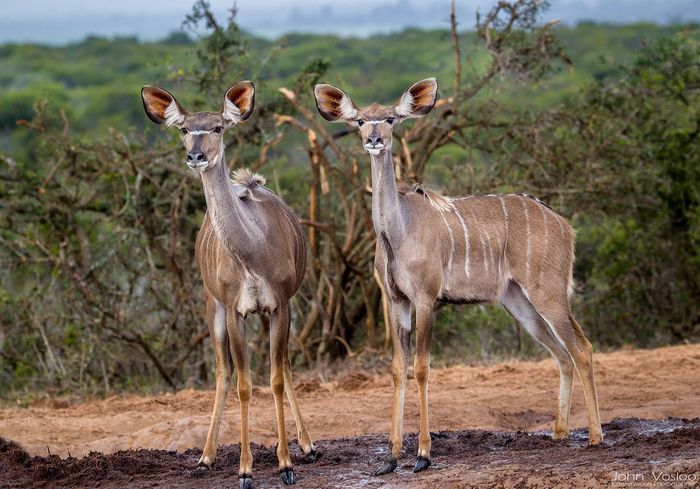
[
  {"x": 252, "y": 256},
  {"x": 510, "y": 248}
]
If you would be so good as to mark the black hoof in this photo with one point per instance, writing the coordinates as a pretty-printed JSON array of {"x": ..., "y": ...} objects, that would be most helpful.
[
  {"x": 245, "y": 482},
  {"x": 421, "y": 464},
  {"x": 312, "y": 456},
  {"x": 287, "y": 476},
  {"x": 388, "y": 466}
]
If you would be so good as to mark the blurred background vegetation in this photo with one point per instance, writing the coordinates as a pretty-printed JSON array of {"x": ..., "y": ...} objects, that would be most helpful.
[{"x": 98, "y": 214}]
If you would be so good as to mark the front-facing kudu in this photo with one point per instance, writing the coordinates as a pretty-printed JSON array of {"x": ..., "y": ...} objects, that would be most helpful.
[{"x": 252, "y": 256}]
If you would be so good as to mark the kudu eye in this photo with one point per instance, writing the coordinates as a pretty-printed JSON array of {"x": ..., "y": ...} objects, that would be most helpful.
[
  {"x": 390, "y": 120},
  {"x": 360, "y": 122},
  {"x": 218, "y": 129},
  {"x": 184, "y": 130}
]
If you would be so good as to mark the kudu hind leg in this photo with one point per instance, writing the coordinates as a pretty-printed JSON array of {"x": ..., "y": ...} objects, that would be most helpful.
[
  {"x": 581, "y": 351},
  {"x": 307, "y": 446},
  {"x": 519, "y": 306},
  {"x": 400, "y": 318},
  {"x": 239, "y": 350},
  {"x": 216, "y": 319},
  {"x": 279, "y": 329},
  {"x": 570, "y": 335}
]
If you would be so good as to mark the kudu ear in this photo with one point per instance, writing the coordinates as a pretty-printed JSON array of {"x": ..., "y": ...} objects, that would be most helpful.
[
  {"x": 239, "y": 102},
  {"x": 333, "y": 104},
  {"x": 418, "y": 100},
  {"x": 161, "y": 107}
]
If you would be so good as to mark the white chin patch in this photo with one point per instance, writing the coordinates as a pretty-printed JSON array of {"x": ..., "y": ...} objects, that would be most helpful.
[
  {"x": 199, "y": 166},
  {"x": 374, "y": 150}
]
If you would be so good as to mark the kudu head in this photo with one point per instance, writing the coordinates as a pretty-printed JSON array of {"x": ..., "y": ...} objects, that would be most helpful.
[
  {"x": 375, "y": 121},
  {"x": 201, "y": 132}
]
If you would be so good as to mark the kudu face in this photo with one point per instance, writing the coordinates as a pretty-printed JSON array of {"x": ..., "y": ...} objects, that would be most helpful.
[
  {"x": 201, "y": 132},
  {"x": 376, "y": 122}
]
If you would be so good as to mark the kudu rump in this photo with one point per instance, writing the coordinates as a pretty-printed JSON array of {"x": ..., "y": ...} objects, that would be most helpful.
[
  {"x": 510, "y": 248},
  {"x": 252, "y": 256}
]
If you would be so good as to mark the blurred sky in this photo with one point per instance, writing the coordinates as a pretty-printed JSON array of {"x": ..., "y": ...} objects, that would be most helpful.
[{"x": 60, "y": 21}]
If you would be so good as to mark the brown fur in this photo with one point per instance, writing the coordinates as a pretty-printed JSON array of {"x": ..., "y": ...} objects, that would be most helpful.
[
  {"x": 252, "y": 256},
  {"x": 509, "y": 248}
]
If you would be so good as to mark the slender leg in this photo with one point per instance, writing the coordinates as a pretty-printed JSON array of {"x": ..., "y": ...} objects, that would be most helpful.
[
  {"x": 279, "y": 328},
  {"x": 400, "y": 319},
  {"x": 570, "y": 335},
  {"x": 421, "y": 369},
  {"x": 239, "y": 348},
  {"x": 518, "y": 305},
  {"x": 582, "y": 354},
  {"x": 307, "y": 446},
  {"x": 216, "y": 318},
  {"x": 566, "y": 379}
]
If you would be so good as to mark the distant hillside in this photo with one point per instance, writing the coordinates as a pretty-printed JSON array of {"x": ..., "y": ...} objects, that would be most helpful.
[{"x": 97, "y": 81}]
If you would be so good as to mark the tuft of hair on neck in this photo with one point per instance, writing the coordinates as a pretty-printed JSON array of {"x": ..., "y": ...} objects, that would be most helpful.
[{"x": 247, "y": 177}]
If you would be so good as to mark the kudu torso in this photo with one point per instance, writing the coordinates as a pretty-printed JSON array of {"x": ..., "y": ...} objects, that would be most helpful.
[
  {"x": 250, "y": 248},
  {"x": 481, "y": 243}
]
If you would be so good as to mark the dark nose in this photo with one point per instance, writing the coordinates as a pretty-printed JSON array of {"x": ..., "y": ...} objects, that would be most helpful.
[
  {"x": 374, "y": 140},
  {"x": 195, "y": 157}
]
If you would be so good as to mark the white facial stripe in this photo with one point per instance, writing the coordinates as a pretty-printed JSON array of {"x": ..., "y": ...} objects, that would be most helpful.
[{"x": 199, "y": 132}]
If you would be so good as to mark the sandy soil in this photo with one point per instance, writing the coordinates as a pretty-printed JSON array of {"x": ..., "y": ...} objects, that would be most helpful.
[{"x": 509, "y": 397}]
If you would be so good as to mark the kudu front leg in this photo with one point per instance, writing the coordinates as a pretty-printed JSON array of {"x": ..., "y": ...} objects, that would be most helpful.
[
  {"x": 400, "y": 318},
  {"x": 279, "y": 334},
  {"x": 216, "y": 318},
  {"x": 239, "y": 349},
  {"x": 421, "y": 370}
]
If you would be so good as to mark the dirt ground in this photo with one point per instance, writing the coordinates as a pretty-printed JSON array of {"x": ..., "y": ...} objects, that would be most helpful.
[{"x": 507, "y": 411}]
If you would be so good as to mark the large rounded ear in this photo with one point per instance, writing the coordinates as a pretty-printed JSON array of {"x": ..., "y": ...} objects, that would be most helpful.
[
  {"x": 239, "y": 102},
  {"x": 418, "y": 100},
  {"x": 161, "y": 107},
  {"x": 333, "y": 104}
]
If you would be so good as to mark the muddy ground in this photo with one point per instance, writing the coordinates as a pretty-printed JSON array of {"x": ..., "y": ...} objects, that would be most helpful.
[{"x": 491, "y": 429}]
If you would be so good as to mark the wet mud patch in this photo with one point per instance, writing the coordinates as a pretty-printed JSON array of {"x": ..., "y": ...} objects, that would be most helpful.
[{"x": 472, "y": 458}]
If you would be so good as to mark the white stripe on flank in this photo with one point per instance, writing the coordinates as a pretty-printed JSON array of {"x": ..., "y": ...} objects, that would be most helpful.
[
  {"x": 559, "y": 219},
  {"x": 467, "y": 250},
  {"x": 544, "y": 246},
  {"x": 505, "y": 212},
  {"x": 452, "y": 241},
  {"x": 505, "y": 237},
  {"x": 486, "y": 245},
  {"x": 528, "y": 251}
]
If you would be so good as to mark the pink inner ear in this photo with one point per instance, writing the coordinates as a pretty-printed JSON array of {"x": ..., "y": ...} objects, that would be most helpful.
[
  {"x": 157, "y": 102},
  {"x": 241, "y": 96},
  {"x": 423, "y": 94}
]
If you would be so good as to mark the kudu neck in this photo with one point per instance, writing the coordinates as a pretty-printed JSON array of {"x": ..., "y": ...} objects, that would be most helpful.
[
  {"x": 387, "y": 214},
  {"x": 234, "y": 227}
]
